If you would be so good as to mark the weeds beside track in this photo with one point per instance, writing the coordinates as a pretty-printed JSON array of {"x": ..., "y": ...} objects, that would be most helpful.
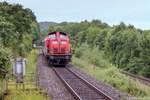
[{"x": 141, "y": 79}]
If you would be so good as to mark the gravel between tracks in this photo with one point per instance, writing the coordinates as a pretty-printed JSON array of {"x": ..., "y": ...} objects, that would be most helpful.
[
  {"x": 118, "y": 95},
  {"x": 50, "y": 82}
]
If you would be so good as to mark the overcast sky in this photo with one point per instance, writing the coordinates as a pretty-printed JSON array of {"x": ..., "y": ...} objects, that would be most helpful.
[{"x": 136, "y": 12}]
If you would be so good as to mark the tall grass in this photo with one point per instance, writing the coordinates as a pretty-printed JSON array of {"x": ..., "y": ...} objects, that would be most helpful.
[
  {"x": 24, "y": 95},
  {"x": 0, "y": 88},
  {"x": 30, "y": 92},
  {"x": 31, "y": 64},
  {"x": 31, "y": 61},
  {"x": 96, "y": 64}
]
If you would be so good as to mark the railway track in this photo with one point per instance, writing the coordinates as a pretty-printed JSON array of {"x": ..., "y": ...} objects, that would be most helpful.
[
  {"x": 78, "y": 86},
  {"x": 141, "y": 79}
]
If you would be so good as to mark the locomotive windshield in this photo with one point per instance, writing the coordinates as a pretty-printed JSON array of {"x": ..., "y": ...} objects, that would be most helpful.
[
  {"x": 63, "y": 36},
  {"x": 53, "y": 36}
]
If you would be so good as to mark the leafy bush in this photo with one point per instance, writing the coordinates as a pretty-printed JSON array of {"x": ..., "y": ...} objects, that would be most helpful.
[
  {"x": 4, "y": 61},
  {"x": 91, "y": 55},
  {"x": 18, "y": 27},
  {"x": 107, "y": 72},
  {"x": 31, "y": 61}
]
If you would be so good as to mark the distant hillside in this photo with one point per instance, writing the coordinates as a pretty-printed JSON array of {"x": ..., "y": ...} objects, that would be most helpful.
[{"x": 45, "y": 25}]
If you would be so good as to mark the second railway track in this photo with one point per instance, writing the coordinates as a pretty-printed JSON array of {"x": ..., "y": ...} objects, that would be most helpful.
[
  {"x": 78, "y": 86},
  {"x": 141, "y": 79}
]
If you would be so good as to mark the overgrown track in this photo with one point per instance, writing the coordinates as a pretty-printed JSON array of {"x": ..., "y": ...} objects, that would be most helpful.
[
  {"x": 78, "y": 86},
  {"x": 143, "y": 80}
]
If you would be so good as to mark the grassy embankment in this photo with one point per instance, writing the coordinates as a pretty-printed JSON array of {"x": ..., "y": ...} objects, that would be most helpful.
[
  {"x": 95, "y": 63},
  {"x": 30, "y": 92},
  {"x": 0, "y": 88}
]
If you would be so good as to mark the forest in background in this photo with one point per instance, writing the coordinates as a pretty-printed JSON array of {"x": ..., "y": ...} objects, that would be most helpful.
[
  {"x": 124, "y": 46},
  {"x": 18, "y": 29}
]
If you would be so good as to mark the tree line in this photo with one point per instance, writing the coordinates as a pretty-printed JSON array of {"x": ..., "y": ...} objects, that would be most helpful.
[
  {"x": 124, "y": 45},
  {"x": 18, "y": 28}
]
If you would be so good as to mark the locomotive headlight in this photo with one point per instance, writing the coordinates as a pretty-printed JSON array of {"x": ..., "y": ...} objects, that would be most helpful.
[
  {"x": 63, "y": 42},
  {"x": 54, "y": 42}
]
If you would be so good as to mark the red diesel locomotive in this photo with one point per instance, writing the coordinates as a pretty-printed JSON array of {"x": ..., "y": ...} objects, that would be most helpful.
[{"x": 56, "y": 48}]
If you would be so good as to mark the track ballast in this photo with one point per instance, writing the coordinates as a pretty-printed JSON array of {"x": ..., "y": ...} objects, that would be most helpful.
[{"x": 78, "y": 86}]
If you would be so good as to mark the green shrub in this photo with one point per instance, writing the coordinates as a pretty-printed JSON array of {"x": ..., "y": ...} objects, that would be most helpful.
[
  {"x": 4, "y": 61},
  {"x": 31, "y": 61},
  {"x": 92, "y": 55},
  {"x": 105, "y": 71},
  {"x": 31, "y": 64}
]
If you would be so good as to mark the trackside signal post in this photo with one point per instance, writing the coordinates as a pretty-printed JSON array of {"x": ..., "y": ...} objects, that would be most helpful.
[{"x": 19, "y": 65}]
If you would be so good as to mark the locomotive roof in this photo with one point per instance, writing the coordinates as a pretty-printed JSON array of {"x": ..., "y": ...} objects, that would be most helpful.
[{"x": 56, "y": 32}]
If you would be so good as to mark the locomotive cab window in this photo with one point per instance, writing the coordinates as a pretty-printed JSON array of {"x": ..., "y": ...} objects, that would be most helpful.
[
  {"x": 63, "y": 36},
  {"x": 52, "y": 36}
]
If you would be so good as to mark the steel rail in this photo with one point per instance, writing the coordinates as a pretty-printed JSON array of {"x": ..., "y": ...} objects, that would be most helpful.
[
  {"x": 75, "y": 95},
  {"x": 73, "y": 92},
  {"x": 139, "y": 78},
  {"x": 92, "y": 86}
]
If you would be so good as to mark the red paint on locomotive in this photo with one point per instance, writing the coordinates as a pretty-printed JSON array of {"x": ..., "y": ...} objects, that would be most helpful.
[{"x": 57, "y": 48}]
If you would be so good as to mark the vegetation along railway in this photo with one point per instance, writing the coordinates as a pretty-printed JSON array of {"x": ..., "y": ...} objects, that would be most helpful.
[
  {"x": 141, "y": 79},
  {"x": 101, "y": 51},
  {"x": 56, "y": 49}
]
